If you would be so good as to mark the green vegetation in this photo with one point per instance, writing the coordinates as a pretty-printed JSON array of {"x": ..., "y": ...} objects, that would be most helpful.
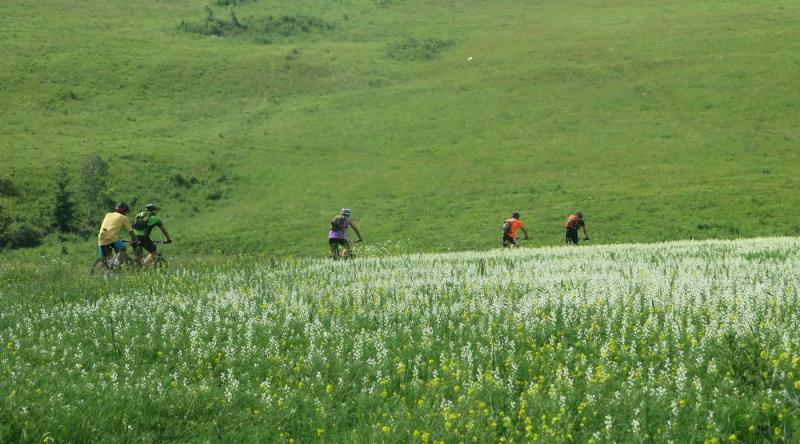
[
  {"x": 432, "y": 121},
  {"x": 675, "y": 342},
  {"x": 263, "y": 30}
]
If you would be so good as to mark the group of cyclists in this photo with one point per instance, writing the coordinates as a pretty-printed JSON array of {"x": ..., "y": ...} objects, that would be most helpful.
[
  {"x": 573, "y": 224},
  {"x": 110, "y": 243},
  {"x": 337, "y": 235}
]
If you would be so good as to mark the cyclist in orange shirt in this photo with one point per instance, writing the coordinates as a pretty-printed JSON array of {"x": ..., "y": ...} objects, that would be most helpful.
[
  {"x": 571, "y": 226},
  {"x": 510, "y": 227}
]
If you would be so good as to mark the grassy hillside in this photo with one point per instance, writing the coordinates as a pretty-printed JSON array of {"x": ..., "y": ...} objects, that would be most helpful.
[{"x": 432, "y": 120}]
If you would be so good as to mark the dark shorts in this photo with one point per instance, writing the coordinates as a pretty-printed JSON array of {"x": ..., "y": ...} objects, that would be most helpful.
[
  {"x": 509, "y": 240},
  {"x": 337, "y": 241},
  {"x": 572, "y": 237},
  {"x": 147, "y": 244}
]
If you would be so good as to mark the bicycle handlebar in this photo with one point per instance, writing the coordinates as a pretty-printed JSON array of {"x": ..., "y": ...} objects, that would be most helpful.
[{"x": 155, "y": 242}]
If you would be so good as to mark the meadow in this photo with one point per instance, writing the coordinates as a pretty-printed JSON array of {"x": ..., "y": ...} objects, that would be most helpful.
[
  {"x": 252, "y": 122},
  {"x": 672, "y": 342}
]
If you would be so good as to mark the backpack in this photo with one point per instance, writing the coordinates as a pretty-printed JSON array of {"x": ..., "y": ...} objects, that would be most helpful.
[
  {"x": 140, "y": 221},
  {"x": 572, "y": 222},
  {"x": 338, "y": 222},
  {"x": 507, "y": 226}
]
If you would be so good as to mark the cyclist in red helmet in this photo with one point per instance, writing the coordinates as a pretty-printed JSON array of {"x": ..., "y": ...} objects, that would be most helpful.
[{"x": 108, "y": 239}]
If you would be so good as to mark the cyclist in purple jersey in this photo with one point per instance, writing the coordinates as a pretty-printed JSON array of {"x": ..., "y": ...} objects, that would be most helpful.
[{"x": 338, "y": 232}]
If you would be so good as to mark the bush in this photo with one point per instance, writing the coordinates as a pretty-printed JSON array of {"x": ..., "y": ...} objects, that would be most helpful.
[
  {"x": 179, "y": 181},
  {"x": 261, "y": 29},
  {"x": 214, "y": 194},
  {"x": 232, "y": 2},
  {"x": 289, "y": 25},
  {"x": 412, "y": 49},
  {"x": 8, "y": 188},
  {"x": 19, "y": 234},
  {"x": 214, "y": 26}
]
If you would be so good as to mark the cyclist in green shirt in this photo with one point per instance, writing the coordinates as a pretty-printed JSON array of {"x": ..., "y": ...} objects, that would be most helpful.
[{"x": 143, "y": 225}]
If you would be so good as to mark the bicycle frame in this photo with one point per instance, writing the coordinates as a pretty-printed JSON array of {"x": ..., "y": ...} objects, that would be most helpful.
[
  {"x": 346, "y": 252},
  {"x": 141, "y": 255}
]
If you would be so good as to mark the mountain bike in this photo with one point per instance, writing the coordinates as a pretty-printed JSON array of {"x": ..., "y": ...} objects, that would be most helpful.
[
  {"x": 113, "y": 263},
  {"x": 345, "y": 253},
  {"x": 159, "y": 263},
  {"x": 517, "y": 245}
]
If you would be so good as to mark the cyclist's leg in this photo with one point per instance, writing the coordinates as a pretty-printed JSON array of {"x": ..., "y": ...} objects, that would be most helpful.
[
  {"x": 334, "y": 244},
  {"x": 572, "y": 237},
  {"x": 119, "y": 247},
  {"x": 105, "y": 254},
  {"x": 346, "y": 248},
  {"x": 105, "y": 251},
  {"x": 147, "y": 244}
]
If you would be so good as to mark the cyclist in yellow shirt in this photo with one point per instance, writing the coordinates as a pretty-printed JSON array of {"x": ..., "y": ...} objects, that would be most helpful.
[{"x": 108, "y": 239}]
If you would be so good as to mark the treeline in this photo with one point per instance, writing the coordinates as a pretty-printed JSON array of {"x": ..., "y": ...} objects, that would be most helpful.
[{"x": 66, "y": 208}]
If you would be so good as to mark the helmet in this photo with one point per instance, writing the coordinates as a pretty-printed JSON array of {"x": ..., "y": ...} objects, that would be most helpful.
[
  {"x": 515, "y": 214},
  {"x": 345, "y": 211},
  {"x": 579, "y": 214},
  {"x": 151, "y": 207},
  {"x": 122, "y": 207}
]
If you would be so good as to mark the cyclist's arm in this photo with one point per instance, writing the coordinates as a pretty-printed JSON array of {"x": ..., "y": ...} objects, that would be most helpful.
[
  {"x": 585, "y": 234},
  {"x": 353, "y": 226},
  {"x": 127, "y": 225},
  {"x": 165, "y": 233},
  {"x": 524, "y": 231}
]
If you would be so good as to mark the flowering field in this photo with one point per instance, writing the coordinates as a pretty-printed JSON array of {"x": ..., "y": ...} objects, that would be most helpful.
[{"x": 682, "y": 342}]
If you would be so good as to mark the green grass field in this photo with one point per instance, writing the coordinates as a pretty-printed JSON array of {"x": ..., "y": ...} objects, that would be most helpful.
[{"x": 432, "y": 120}]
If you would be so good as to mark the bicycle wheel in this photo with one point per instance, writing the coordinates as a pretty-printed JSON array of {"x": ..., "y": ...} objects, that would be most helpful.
[
  {"x": 160, "y": 263},
  {"x": 100, "y": 267},
  {"x": 130, "y": 264}
]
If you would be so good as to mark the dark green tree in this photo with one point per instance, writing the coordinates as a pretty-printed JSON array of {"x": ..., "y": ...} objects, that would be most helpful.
[
  {"x": 63, "y": 207},
  {"x": 92, "y": 188}
]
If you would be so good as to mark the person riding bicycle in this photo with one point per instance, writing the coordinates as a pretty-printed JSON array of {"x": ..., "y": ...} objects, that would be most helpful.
[
  {"x": 510, "y": 227},
  {"x": 143, "y": 225},
  {"x": 338, "y": 232},
  {"x": 108, "y": 238},
  {"x": 573, "y": 223}
]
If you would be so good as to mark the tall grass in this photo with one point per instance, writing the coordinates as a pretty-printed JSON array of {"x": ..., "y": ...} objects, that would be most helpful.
[{"x": 675, "y": 342}]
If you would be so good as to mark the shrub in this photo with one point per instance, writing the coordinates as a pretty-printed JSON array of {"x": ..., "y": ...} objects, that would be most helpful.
[
  {"x": 289, "y": 25},
  {"x": 232, "y": 2},
  {"x": 412, "y": 49},
  {"x": 20, "y": 234},
  {"x": 8, "y": 188},
  {"x": 179, "y": 181},
  {"x": 215, "y": 26},
  {"x": 261, "y": 29},
  {"x": 214, "y": 194}
]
